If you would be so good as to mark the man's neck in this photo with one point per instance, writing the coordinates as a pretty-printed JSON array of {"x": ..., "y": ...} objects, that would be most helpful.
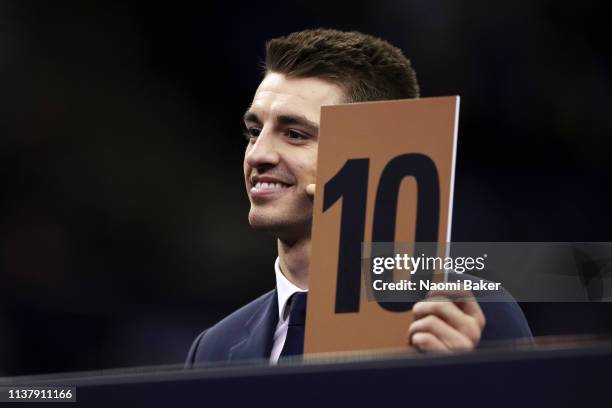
[{"x": 294, "y": 259}]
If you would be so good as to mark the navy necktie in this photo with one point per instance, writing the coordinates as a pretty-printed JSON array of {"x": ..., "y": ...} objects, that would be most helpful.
[{"x": 294, "y": 343}]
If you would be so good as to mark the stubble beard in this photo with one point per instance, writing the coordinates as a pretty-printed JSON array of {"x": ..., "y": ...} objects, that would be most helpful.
[{"x": 288, "y": 226}]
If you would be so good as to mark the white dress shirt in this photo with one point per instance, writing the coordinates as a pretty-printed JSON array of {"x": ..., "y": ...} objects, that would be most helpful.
[{"x": 284, "y": 290}]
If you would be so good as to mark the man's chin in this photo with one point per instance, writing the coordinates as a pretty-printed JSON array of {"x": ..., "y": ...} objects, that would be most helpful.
[
  {"x": 279, "y": 227},
  {"x": 268, "y": 217},
  {"x": 266, "y": 223}
]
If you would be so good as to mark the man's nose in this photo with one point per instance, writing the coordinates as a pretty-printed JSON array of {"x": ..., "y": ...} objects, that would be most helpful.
[{"x": 263, "y": 151}]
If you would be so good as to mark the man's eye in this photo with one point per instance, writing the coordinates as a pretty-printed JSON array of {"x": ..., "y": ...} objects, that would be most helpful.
[
  {"x": 295, "y": 135},
  {"x": 250, "y": 133}
]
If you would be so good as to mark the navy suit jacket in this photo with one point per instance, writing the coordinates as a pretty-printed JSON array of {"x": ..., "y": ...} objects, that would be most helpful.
[{"x": 247, "y": 334}]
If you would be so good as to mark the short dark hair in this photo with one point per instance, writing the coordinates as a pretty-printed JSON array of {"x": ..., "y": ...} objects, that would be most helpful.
[{"x": 366, "y": 67}]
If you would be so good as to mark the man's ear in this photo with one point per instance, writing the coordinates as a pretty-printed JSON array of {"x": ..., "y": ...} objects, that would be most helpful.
[{"x": 310, "y": 189}]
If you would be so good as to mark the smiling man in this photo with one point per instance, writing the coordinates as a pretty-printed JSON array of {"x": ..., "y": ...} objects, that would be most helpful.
[
  {"x": 304, "y": 71},
  {"x": 280, "y": 162}
]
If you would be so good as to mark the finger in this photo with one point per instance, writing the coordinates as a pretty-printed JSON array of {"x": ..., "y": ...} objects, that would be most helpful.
[
  {"x": 473, "y": 309},
  {"x": 451, "y": 314},
  {"x": 310, "y": 189},
  {"x": 452, "y": 338},
  {"x": 454, "y": 295},
  {"x": 427, "y": 342},
  {"x": 465, "y": 300}
]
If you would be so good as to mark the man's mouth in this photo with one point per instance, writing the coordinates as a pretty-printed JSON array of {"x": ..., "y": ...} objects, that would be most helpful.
[
  {"x": 269, "y": 188},
  {"x": 262, "y": 185}
]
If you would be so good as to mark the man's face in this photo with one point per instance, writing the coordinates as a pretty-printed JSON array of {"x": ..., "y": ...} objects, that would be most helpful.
[{"x": 282, "y": 127}]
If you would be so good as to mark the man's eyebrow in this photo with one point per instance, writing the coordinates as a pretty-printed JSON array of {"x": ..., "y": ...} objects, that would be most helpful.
[
  {"x": 297, "y": 120},
  {"x": 285, "y": 120},
  {"x": 251, "y": 116}
]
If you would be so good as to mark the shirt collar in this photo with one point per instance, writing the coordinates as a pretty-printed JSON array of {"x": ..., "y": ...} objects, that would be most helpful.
[{"x": 284, "y": 290}]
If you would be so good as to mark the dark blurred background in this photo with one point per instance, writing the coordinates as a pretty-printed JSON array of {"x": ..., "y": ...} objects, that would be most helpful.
[{"x": 123, "y": 229}]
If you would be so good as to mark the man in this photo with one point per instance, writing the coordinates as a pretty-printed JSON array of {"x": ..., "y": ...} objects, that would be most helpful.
[{"x": 303, "y": 72}]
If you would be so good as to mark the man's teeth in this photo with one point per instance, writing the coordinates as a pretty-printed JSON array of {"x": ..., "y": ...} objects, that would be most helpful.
[{"x": 264, "y": 185}]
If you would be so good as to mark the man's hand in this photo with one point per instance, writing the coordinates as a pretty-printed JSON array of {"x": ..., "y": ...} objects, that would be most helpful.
[{"x": 446, "y": 321}]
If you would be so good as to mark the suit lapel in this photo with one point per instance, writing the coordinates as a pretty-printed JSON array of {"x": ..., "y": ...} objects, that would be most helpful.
[{"x": 260, "y": 332}]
